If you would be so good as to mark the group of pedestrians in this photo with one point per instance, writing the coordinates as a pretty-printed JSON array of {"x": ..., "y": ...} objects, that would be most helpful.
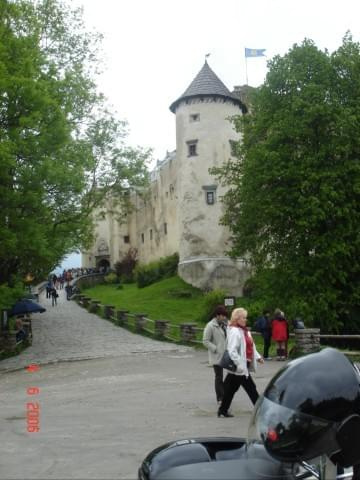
[
  {"x": 276, "y": 329},
  {"x": 235, "y": 337},
  {"x": 56, "y": 283},
  {"x": 52, "y": 291}
]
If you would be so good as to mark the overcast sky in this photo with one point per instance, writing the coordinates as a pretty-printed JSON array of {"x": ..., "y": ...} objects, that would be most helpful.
[{"x": 153, "y": 49}]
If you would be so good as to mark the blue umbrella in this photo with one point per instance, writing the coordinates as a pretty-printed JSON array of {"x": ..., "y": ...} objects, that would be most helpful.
[{"x": 26, "y": 306}]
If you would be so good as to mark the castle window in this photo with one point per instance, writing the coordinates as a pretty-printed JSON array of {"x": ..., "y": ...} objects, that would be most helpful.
[
  {"x": 210, "y": 193},
  {"x": 151, "y": 234},
  {"x": 195, "y": 117},
  {"x": 192, "y": 148},
  {"x": 210, "y": 198},
  {"x": 126, "y": 239},
  {"x": 165, "y": 228},
  {"x": 142, "y": 238}
]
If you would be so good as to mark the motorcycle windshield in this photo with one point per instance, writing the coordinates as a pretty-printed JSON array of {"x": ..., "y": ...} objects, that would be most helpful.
[{"x": 289, "y": 435}]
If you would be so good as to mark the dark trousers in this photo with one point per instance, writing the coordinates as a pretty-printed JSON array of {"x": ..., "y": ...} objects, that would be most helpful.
[
  {"x": 231, "y": 386},
  {"x": 267, "y": 343},
  {"x": 219, "y": 383}
]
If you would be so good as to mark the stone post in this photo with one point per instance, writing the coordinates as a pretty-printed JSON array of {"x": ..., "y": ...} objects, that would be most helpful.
[
  {"x": 140, "y": 321},
  {"x": 161, "y": 328},
  {"x": 187, "y": 332},
  {"x": 122, "y": 318},
  {"x": 307, "y": 340},
  {"x": 108, "y": 311}
]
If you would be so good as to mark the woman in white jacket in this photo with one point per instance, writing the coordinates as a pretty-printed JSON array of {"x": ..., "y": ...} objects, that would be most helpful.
[{"x": 242, "y": 351}]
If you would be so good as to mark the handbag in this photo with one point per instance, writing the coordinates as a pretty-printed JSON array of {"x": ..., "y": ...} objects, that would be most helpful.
[{"x": 227, "y": 362}]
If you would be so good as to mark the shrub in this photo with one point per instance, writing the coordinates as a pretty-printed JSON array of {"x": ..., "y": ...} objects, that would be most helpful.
[
  {"x": 9, "y": 295},
  {"x": 211, "y": 301},
  {"x": 254, "y": 308},
  {"x": 153, "y": 272},
  {"x": 125, "y": 268},
  {"x": 111, "y": 278},
  {"x": 168, "y": 265}
]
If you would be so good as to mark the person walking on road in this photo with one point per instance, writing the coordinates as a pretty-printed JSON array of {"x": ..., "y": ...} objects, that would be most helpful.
[
  {"x": 263, "y": 326},
  {"x": 69, "y": 291},
  {"x": 280, "y": 333},
  {"x": 54, "y": 296},
  {"x": 214, "y": 339},
  {"x": 242, "y": 351}
]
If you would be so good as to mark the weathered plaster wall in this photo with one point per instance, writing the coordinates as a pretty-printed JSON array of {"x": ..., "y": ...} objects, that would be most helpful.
[
  {"x": 200, "y": 233},
  {"x": 154, "y": 224}
]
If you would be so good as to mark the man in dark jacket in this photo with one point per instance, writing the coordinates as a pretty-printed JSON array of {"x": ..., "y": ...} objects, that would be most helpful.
[{"x": 263, "y": 326}]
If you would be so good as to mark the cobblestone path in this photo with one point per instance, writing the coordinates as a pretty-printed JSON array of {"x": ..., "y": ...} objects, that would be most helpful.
[{"x": 68, "y": 332}]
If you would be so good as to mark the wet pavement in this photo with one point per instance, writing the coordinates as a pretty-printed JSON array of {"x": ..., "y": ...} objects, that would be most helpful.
[
  {"x": 105, "y": 398},
  {"x": 68, "y": 332}
]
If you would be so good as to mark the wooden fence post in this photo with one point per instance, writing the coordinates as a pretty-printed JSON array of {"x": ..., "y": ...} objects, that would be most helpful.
[
  {"x": 140, "y": 321},
  {"x": 122, "y": 318},
  {"x": 188, "y": 332},
  {"x": 161, "y": 328},
  {"x": 86, "y": 301},
  {"x": 94, "y": 306},
  {"x": 108, "y": 311}
]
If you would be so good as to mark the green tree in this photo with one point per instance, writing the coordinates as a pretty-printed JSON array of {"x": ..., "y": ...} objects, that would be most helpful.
[
  {"x": 293, "y": 203},
  {"x": 62, "y": 152}
]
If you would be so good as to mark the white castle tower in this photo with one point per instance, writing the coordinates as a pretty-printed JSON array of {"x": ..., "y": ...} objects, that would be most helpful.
[
  {"x": 182, "y": 209},
  {"x": 203, "y": 136}
]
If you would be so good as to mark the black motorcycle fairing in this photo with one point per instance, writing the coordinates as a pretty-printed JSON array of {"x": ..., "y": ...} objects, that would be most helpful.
[
  {"x": 186, "y": 451},
  {"x": 323, "y": 384},
  {"x": 243, "y": 469},
  {"x": 289, "y": 435},
  {"x": 301, "y": 410},
  {"x": 211, "y": 458}
]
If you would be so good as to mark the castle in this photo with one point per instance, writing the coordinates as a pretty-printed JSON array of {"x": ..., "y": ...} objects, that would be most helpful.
[{"x": 182, "y": 209}]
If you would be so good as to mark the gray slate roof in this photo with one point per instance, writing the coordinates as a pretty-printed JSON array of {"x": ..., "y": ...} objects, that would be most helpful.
[{"x": 206, "y": 84}]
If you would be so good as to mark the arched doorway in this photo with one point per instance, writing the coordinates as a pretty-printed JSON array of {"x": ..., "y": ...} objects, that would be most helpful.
[{"x": 103, "y": 265}]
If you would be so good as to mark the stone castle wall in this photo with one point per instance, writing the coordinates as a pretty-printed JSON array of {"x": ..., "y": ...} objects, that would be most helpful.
[{"x": 175, "y": 214}]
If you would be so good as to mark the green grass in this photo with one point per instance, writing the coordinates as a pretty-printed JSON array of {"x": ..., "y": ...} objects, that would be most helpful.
[{"x": 157, "y": 301}]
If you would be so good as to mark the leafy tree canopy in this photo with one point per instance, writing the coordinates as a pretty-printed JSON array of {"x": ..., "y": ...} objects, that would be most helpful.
[
  {"x": 62, "y": 151},
  {"x": 294, "y": 197}
]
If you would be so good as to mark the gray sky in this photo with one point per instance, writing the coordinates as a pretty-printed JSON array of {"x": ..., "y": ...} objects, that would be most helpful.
[{"x": 154, "y": 48}]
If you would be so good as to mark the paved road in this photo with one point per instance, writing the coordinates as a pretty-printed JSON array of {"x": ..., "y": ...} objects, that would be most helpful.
[
  {"x": 68, "y": 332},
  {"x": 99, "y": 417}
]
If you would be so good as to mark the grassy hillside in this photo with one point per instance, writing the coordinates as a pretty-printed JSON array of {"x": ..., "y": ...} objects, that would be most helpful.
[
  {"x": 161, "y": 301},
  {"x": 164, "y": 300}
]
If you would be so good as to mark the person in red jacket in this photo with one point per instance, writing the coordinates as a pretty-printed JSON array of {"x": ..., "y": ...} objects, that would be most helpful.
[{"x": 280, "y": 333}]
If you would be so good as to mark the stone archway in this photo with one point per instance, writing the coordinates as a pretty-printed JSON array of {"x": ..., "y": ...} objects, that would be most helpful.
[{"x": 103, "y": 264}]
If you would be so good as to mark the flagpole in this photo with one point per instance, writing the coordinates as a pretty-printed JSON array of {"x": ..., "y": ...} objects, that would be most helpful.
[{"x": 246, "y": 71}]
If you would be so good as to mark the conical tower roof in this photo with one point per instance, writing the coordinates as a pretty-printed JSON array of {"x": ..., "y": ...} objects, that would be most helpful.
[{"x": 207, "y": 84}]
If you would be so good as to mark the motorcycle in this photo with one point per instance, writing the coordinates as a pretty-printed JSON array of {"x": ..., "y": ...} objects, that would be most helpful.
[{"x": 305, "y": 425}]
